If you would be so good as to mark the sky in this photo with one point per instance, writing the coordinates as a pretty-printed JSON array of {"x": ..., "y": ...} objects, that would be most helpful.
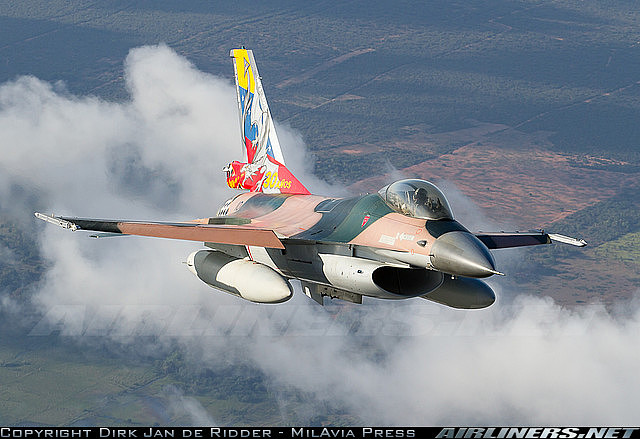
[{"x": 159, "y": 155}]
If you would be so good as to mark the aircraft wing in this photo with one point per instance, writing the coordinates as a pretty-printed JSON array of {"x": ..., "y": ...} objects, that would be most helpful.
[
  {"x": 243, "y": 234},
  {"x": 518, "y": 239}
]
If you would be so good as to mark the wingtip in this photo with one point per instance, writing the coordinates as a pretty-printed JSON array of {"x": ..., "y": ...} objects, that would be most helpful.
[
  {"x": 555, "y": 237},
  {"x": 57, "y": 221}
]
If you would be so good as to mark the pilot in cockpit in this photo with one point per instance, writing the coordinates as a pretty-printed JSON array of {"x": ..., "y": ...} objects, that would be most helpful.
[
  {"x": 422, "y": 200},
  {"x": 417, "y": 199},
  {"x": 420, "y": 197}
]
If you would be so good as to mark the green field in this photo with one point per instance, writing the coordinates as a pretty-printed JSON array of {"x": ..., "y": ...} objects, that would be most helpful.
[
  {"x": 57, "y": 381},
  {"x": 48, "y": 386},
  {"x": 625, "y": 249}
]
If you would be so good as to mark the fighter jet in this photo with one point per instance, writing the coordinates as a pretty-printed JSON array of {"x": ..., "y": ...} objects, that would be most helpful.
[{"x": 401, "y": 242}]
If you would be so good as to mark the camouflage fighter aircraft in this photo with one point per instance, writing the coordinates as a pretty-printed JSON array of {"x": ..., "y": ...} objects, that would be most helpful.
[{"x": 399, "y": 243}]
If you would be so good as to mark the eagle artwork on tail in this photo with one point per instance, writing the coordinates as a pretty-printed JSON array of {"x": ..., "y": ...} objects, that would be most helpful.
[{"x": 265, "y": 169}]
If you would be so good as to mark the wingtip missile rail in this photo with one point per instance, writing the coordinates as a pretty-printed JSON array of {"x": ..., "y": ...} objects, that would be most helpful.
[
  {"x": 57, "y": 221},
  {"x": 567, "y": 240}
]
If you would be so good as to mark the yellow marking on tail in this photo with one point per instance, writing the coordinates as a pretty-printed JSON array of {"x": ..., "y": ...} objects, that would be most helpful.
[{"x": 243, "y": 67}]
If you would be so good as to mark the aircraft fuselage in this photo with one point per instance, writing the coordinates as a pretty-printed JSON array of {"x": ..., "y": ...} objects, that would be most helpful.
[{"x": 357, "y": 246}]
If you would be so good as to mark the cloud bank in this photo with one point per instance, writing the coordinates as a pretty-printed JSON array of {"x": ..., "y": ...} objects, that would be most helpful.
[{"x": 159, "y": 156}]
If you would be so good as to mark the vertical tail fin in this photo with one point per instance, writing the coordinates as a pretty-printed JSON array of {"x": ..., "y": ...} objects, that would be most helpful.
[{"x": 265, "y": 170}]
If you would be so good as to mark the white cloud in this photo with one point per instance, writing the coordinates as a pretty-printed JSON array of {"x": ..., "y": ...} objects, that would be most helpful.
[
  {"x": 159, "y": 156},
  {"x": 181, "y": 406}
]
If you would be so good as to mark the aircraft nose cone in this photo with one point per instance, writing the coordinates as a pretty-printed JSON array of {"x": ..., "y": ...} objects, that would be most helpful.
[{"x": 461, "y": 253}]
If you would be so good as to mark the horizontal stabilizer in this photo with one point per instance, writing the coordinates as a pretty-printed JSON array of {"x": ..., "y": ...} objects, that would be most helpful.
[
  {"x": 105, "y": 235},
  {"x": 221, "y": 234}
]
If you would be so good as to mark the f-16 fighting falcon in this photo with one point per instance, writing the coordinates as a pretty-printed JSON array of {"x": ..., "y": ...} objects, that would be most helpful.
[{"x": 398, "y": 243}]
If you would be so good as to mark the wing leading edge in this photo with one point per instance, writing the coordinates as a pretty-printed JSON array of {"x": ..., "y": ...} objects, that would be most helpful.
[
  {"x": 218, "y": 233},
  {"x": 510, "y": 240}
]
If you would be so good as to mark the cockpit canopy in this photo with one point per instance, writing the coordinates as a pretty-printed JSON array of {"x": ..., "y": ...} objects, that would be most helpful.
[{"x": 418, "y": 199}]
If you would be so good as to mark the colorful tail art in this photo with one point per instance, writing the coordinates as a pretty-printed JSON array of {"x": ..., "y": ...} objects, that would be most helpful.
[{"x": 265, "y": 170}]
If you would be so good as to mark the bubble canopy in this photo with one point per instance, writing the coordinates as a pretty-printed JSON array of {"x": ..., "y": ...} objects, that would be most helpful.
[{"x": 417, "y": 199}]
